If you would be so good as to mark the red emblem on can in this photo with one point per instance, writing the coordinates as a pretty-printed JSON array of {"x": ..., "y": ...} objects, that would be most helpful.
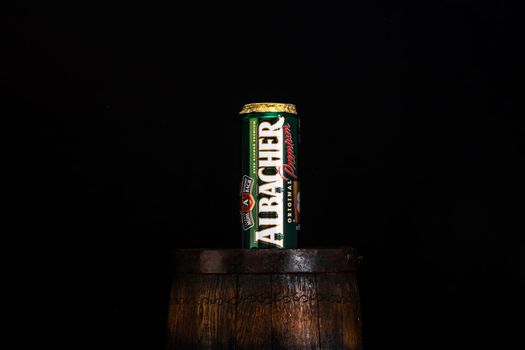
[{"x": 247, "y": 202}]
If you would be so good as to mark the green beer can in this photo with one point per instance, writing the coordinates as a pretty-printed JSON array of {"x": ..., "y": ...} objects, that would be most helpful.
[{"x": 270, "y": 197}]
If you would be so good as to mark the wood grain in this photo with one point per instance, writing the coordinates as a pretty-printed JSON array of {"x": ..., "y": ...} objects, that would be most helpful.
[
  {"x": 235, "y": 308},
  {"x": 294, "y": 312},
  {"x": 202, "y": 314},
  {"x": 351, "y": 318},
  {"x": 254, "y": 312},
  {"x": 182, "y": 308},
  {"x": 330, "y": 310}
]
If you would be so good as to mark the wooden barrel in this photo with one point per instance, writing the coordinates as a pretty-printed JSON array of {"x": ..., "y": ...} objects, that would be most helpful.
[{"x": 264, "y": 299}]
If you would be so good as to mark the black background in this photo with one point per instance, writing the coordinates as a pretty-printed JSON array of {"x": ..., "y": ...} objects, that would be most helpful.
[{"x": 120, "y": 142}]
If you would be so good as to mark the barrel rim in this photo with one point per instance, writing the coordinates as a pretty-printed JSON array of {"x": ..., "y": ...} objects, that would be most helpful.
[{"x": 265, "y": 261}]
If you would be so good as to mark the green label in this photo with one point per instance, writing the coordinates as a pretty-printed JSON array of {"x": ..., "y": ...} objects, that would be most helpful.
[{"x": 270, "y": 193}]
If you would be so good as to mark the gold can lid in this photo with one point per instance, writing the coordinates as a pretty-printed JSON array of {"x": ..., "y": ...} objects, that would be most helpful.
[{"x": 263, "y": 107}]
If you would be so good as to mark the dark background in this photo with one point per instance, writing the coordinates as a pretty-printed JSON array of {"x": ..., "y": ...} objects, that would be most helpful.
[{"x": 120, "y": 142}]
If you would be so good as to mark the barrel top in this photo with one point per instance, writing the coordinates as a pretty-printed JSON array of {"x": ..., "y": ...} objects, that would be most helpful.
[{"x": 265, "y": 261}]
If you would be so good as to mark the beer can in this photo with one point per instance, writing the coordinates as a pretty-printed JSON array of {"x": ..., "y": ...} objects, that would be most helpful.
[{"x": 270, "y": 196}]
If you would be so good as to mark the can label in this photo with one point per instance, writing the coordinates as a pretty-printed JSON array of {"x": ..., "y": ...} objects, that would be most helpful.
[{"x": 270, "y": 185}]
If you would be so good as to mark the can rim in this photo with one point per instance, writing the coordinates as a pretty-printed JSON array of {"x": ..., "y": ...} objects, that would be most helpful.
[{"x": 262, "y": 107}]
